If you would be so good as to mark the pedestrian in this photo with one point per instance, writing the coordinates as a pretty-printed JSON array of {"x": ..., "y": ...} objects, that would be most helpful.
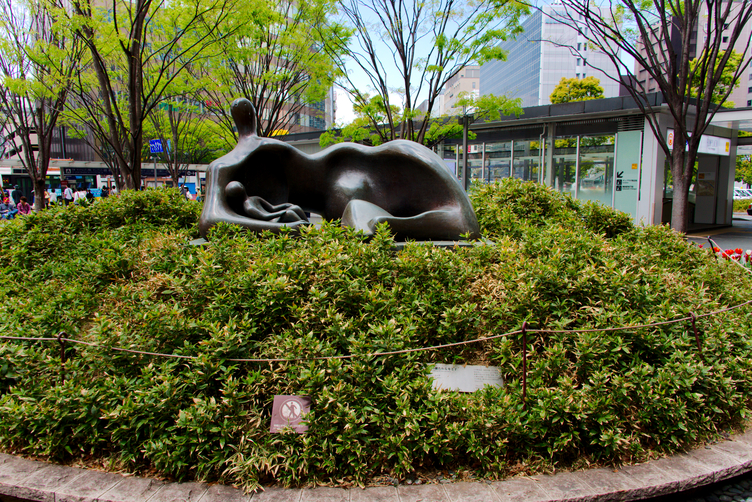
[
  {"x": 89, "y": 196},
  {"x": 79, "y": 196},
  {"x": 53, "y": 197},
  {"x": 16, "y": 195},
  {"x": 46, "y": 198},
  {"x": 184, "y": 191},
  {"x": 23, "y": 206},
  {"x": 68, "y": 195},
  {"x": 105, "y": 192},
  {"x": 198, "y": 194}
]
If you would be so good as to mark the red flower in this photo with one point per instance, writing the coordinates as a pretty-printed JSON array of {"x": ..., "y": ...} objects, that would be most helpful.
[{"x": 738, "y": 250}]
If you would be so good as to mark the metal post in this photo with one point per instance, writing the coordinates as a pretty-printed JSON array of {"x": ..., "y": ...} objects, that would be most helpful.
[
  {"x": 155, "y": 171},
  {"x": 465, "y": 176},
  {"x": 61, "y": 341},
  {"x": 524, "y": 365},
  {"x": 697, "y": 334},
  {"x": 483, "y": 168}
]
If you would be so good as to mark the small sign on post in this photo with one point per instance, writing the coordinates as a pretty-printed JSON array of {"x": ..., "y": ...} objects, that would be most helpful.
[
  {"x": 465, "y": 378},
  {"x": 289, "y": 412},
  {"x": 155, "y": 146}
]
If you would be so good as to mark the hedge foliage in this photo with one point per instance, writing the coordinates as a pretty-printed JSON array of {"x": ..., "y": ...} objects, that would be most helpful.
[
  {"x": 741, "y": 205},
  {"x": 120, "y": 274}
]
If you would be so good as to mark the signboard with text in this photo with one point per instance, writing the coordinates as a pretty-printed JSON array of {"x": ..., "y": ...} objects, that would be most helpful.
[
  {"x": 465, "y": 378},
  {"x": 711, "y": 145}
]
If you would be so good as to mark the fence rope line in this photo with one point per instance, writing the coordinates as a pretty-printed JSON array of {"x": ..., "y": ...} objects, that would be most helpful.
[
  {"x": 524, "y": 329},
  {"x": 715, "y": 246}
]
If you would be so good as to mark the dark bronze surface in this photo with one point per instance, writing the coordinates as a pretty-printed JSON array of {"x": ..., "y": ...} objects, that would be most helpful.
[{"x": 265, "y": 184}]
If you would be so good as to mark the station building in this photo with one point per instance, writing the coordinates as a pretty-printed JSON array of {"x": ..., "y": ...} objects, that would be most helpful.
[{"x": 601, "y": 150}]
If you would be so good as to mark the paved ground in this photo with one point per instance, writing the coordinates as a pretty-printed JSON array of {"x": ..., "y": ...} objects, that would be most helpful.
[
  {"x": 26, "y": 480},
  {"x": 738, "y": 236}
]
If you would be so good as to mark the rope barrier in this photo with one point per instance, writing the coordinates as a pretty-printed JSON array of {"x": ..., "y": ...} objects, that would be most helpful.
[
  {"x": 524, "y": 330},
  {"x": 715, "y": 246}
]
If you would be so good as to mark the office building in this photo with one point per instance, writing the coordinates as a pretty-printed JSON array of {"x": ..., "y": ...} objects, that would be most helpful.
[{"x": 539, "y": 58}]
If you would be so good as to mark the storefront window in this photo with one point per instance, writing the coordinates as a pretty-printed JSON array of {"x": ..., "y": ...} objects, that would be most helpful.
[{"x": 596, "y": 169}]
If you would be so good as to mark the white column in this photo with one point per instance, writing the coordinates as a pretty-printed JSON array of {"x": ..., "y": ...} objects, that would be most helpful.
[{"x": 650, "y": 204}]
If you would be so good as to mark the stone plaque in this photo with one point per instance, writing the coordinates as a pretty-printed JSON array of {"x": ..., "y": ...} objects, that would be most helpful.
[
  {"x": 289, "y": 412},
  {"x": 465, "y": 378}
]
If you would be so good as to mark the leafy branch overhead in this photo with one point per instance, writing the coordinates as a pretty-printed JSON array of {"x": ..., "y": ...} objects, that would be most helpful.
[{"x": 412, "y": 49}]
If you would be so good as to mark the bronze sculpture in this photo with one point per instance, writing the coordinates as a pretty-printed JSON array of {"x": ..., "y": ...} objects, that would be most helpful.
[{"x": 266, "y": 184}]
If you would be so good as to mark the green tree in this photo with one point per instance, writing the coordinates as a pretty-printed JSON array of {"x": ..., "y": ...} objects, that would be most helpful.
[
  {"x": 188, "y": 135},
  {"x": 725, "y": 85},
  {"x": 38, "y": 57},
  {"x": 576, "y": 89},
  {"x": 414, "y": 48},
  {"x": 660, "y": 36},
  {"x": 744, "y": 169},
  {"x": 138, "y": 50},
  {"x": 368, "y": 126},
  {"x": 276, "y": 61}
]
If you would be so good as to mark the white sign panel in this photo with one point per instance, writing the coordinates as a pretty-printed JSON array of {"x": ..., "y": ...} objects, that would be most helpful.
[
  {"x": 465, "y": 378},
  {"x": 712, "y": 145}
]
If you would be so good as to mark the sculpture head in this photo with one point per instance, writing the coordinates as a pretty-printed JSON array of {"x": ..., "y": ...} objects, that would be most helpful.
[{"x": 244, "y": 115}]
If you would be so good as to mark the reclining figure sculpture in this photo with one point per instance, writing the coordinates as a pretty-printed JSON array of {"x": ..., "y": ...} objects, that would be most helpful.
[{"x": 266, "y": 184}]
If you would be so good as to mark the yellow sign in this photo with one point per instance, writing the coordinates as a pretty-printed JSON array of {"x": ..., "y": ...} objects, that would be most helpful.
[{"x": 634, "y": 166}]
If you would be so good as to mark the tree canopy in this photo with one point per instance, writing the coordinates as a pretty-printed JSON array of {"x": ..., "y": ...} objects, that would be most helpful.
[
  {"x": 276, "y": 61},
  {"x": 576, "y": 89},
  {"x": 408, "y": 51},
  {"x": 38, "y": 59},
  {"x": 138, "y": 53},
  {"x": 369, "y": 125}
]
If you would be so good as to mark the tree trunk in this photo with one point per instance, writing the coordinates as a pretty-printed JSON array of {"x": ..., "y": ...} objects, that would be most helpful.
[
  {"x": 679, "y": 216},
  {"x": 39, "y": 186}
]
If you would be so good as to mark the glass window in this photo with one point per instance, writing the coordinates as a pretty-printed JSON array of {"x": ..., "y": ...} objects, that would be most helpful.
[
  {"x": 498, "y": 157},
  {"x": 596, "y": 169},
  {"x": 565, "y": 163},
  {"x": 527, "y": 159}
]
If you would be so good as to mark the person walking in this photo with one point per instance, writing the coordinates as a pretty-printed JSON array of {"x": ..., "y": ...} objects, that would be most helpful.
[
  {"x": 23, "y": 206},
  {"x": 68, "y": 195}
]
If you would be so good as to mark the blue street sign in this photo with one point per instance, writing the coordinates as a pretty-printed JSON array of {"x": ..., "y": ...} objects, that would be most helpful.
[{"x": 155, "y": 146}]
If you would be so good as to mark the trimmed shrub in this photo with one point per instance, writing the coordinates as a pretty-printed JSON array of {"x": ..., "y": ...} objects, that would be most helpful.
[
  {"x": 741, "y": 205},
  {"x": 592, "y": 397}
]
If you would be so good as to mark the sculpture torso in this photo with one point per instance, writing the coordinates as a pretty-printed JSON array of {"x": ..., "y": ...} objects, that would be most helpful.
[{"x": 401, "y": 182}]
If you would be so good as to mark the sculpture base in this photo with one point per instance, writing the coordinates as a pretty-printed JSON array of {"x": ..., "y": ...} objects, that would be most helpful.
[{"x": 397, "y": 245}]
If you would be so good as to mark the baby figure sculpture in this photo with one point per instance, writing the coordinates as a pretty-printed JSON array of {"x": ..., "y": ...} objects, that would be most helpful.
[{"x": 266, "y": 184}]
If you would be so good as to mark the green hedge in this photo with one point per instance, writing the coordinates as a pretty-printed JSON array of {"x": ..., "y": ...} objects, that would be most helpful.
[
  {"x": 125, "y": 277},
  {"x": 741, "y": 205}
]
